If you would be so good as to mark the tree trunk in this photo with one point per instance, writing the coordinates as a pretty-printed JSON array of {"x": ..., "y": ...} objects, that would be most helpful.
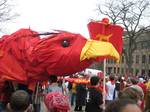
[{"x": 129, "y": 59}]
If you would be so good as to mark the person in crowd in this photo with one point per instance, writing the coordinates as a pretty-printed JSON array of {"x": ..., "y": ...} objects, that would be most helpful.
[
  {"x": 132, "y": 81},
  {"x": 132, "y": 93},
  {"x": 53, "y": 85},
  {"x": 73, "y": 93},
  {"x": 101, "y": 85},
  {"x": 5, "y": 93},
  {"x": 55, "y": 99},
  {"x": 80, "y": 97},
  {"x": 94, "y": 96},
  {"x": 65, "y": 86},
  {"x": 147, "y": 100},
  {"x": 134, "y": 84},
  {"x": 123, "y": 105},
  {"x": 56, "y": 102},
  {"x": 24, "y": 87},
  {"x": 69, "y": 90},
  {"x": 142, "y": 85},
  {"x": 110, "y": 85},
  {"x": 19, "y": 102},
  {"x": 117, "y": 88},
  {"x": 137, "y": 84},
  {"x": 122, "y": 83}
]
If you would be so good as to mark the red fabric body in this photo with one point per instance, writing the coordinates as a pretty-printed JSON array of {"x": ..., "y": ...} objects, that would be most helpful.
[{"x": 27, "y": 58}]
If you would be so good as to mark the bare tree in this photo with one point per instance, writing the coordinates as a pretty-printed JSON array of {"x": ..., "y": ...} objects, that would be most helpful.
[
  {"x": 6, "y": 13},
  {"x": 132, "y": 15}
]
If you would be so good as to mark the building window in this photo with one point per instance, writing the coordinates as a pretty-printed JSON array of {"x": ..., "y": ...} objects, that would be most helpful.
[
  {"x": 143, "y": 58},
  {"x": 118, "y": 70},
  {"x": 122, "y": 70},
  {"x": 111, "y": 61},
  {"x": 109, "y": 70},
  {"x": 108, "y": 61},
  {"x": 145, "y": 44},
  {"x": 137, "y": 59},
  {"x": 114, "y": 70}
]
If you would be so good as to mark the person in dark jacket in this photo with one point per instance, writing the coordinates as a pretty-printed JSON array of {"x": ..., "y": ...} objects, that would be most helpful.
[
  {"x": 80, "y": 97},
  {"x": 19, "y": 102},
  {"x": 94, "y": 96}
]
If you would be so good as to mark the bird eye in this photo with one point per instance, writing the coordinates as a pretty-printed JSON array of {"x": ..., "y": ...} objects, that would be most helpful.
[{"x": 65, "y": 43}]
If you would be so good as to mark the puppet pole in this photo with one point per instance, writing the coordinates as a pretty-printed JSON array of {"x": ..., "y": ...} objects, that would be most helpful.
[
  {"x": 36, "y": 100},
  {"x": 36, "y": 93},
  {"x": 104, "y": 83}
]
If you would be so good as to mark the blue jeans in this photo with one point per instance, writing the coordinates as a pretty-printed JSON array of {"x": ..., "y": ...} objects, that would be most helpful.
[{"x": 73, "y": 98}]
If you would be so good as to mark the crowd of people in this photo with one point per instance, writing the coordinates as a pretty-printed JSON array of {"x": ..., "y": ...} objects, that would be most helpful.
[{"x": 119, "y": 94}]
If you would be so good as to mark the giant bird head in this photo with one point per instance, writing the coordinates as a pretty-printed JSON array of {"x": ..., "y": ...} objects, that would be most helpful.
[{"x": 66, "y": 53}]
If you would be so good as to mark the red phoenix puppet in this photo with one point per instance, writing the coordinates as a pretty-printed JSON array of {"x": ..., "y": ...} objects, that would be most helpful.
[{"x": 27, "y": 58}]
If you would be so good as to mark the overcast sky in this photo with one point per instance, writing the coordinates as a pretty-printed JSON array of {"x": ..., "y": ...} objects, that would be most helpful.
[{"x": 44, "y": 15}]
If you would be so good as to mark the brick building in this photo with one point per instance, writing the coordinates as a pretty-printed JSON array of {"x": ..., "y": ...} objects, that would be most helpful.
[{"x": 141, "y": 58}]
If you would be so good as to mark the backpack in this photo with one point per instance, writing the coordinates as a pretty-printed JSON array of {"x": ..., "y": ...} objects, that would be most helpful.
[{"x": 57, "y": 102}]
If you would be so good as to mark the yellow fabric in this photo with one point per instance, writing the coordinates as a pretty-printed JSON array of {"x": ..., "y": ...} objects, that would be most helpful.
[
  {"x": 148, "y": 84},
  {"x": 102, "y": 37},
  {"x": 93, "y": 49},
  {"x": 74, "y": 88}
]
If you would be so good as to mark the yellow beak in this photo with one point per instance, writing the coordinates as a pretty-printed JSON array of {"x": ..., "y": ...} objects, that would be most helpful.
[{"x": 93, "y": 49}]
